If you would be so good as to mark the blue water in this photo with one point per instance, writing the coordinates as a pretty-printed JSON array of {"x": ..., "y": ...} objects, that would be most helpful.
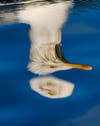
[{"x": 20, "y": 106}]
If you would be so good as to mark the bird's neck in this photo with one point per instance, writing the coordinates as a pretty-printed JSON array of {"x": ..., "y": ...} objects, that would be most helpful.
[{"x": 42, "y": 36}]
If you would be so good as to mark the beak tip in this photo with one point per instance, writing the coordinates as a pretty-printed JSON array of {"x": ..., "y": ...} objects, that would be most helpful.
[{"x": 90, "y": 68}]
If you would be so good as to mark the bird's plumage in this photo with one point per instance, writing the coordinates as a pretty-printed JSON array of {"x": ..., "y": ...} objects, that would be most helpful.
[{"x": 46, "y": 23}]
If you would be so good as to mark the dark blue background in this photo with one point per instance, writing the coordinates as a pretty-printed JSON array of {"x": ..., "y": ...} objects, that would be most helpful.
[{"x": 20, "y": 106}]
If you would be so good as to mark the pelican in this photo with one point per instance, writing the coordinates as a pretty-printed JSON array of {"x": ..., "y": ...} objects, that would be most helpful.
[{"x": 45, "y": 34}]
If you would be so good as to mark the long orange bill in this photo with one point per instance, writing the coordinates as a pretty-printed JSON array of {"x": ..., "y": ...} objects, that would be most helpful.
[
  {"x": 79, "y": 66},
  {"x": 58, "y": 52}
]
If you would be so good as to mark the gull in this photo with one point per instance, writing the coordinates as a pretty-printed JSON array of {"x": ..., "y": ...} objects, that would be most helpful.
[
  {"x": 45, "y": 34},
  {"x": 46, "y": 22}
]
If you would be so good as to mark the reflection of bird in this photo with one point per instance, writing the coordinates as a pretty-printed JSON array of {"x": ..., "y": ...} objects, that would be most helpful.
[
  {"x": 46, "y": 22},
  {"x": 52, "y": 87}
]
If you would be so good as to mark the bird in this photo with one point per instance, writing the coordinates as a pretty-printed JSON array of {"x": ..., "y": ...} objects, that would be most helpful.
[{"x": 46, "y": 23}]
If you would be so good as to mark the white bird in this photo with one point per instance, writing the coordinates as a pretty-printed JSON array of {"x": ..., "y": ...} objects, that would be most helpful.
[
  {"x": 46, "y": 22},
  {"x": 45, "y": 34}
]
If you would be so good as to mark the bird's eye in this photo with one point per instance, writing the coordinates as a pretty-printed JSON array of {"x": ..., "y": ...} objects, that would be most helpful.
[{"x": 53, "y": 66}]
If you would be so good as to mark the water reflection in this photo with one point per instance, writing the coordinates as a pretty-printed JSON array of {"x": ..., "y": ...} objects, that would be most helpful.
[
  {"x": 45, "y": 34},
  {"x": 21, "y": 106},
  {"x": 52, "y": 87},
  {"x": 46, "y": 21}
]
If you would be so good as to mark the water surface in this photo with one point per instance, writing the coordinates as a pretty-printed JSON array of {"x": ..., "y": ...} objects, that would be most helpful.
[{"x": 19, "y": 105}]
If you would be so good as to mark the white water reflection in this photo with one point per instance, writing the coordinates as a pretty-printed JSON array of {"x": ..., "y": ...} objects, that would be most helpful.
[
  {"x": 52, "y": 87},
  {"x": 46, "y": 22}
]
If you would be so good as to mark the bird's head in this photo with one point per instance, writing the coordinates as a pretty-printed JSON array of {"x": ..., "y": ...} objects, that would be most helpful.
[{"x": 49, "y": 58}]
